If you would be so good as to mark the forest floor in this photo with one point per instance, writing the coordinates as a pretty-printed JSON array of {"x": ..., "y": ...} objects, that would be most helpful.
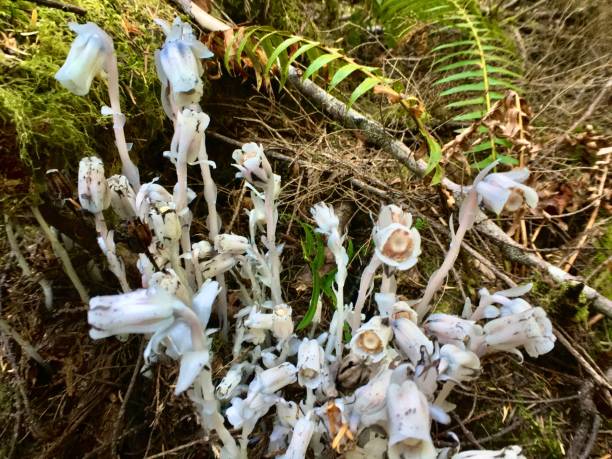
[{"x": 87, "y": 399}]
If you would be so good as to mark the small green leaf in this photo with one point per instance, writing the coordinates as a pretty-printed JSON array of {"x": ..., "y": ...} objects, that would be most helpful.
[
  {"x": 342, "y": 73},
  {"x": 279, "y": 49},
  {"x": 364, "y": 87},
  {"x": 301, "y": 50},
  {"x": 466, "y": 102},
  {"x": 460, "y": 76},
  {"x": 318, "y": 63},
  {"x": 470, "y": 116}
]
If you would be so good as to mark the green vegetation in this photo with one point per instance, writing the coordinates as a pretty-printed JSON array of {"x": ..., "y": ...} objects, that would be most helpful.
[{"x": 54, "y": 127}]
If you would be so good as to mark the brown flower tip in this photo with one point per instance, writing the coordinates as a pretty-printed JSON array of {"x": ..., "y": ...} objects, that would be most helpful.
[
  {"x": 399, "y": 245},
  {"x": 369, "y": 342}
]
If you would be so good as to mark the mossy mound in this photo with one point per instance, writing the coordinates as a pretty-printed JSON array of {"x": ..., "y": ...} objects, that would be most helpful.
[{"x": 55, "y": 128}]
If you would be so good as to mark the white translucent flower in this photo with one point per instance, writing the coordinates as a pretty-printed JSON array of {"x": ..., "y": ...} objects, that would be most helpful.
[
  {"x": 122, "y": 197},
  {"x": 252, "y": 164},
  {"x": 148, "y": 195},
  {"x": 450, "y": 329},
  {"x": 204, "y": 299},
  {"x": 188, "y": 136},
  {"x": 229, "y": 385},
  {"x": 410, "y": 339},
  {"x": 300, "y": 439},
  {"x": 218, "y": 264},
  {"x": 247, "y": 411},
  {"x": 179, "y": 67},
  {"x": 325, "y": 218},
  {"x": 165, "y": 222},
  {"x": 168, "y": 280},
  {"x": 231, "y": 243},
  {"x": 274, "y": 379},
  {"x": 287, "y": 412},
  {"x": 505, "y": 190},
  {"x": 458, "y": 364},
  {"x": 409, "y": 422},
  {"x": 86, "y": 59},
  {"x": 371, "y": 339},
  {"x": 146, "y": 269},
  {"x": 403, "y": 310},
  {"x": 192, "y": 364},
  {"x": 279, "y": 321},
  {"x": 530, "y": 329},
  {"x": 311, "y": 359},
  {"x": 507, "y": 299},
  {"x": 371, "y": 401},
  {"x": 509, "y": 452},
  {"x": 140, "y": 311},
  {"x": 201, "y": 250},
  {"x": 398, "y": 245},
  {"x": 92, "y": 186}
]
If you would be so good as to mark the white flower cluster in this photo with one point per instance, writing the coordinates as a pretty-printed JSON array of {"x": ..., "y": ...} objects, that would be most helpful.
[{"x": 374, "y": 395}]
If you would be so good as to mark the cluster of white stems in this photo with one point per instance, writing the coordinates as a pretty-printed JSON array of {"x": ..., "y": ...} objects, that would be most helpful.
[{"x": 376, "y": 394}]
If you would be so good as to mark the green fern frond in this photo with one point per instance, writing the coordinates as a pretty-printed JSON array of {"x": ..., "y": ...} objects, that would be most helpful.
[
  {"x": 475, "y": 68},
  {"x": 268, "y": 52}
]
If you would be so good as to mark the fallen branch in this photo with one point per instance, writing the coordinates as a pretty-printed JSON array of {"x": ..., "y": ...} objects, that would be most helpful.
[{"x": 376, "y": 135}]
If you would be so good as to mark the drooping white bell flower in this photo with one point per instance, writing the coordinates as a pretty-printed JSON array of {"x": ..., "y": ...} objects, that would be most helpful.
[
  {"x": 505, "y": 190},
  {"x": 218, "y": 264},
  {"x": 409, "y": 422},
  {"x": 92, "y": 186},
  {"x": 508, "y": 300},
  {"x": 509, "y": 452},
  {"x": 409, "y": 338},
  {"x": 231, "y": 243},
  {"x": 165, "y": 222},
  {"x": 458, "y": 364},
  {"x": 530, "y": 329},
  {"x": 311, "y": 359},
  {"x": 122, "y": 197},
  {"x": 192, "y": 364},
  {"x": 179, "y": 67},
  {"x": 451, "y": 329},
  {"x": 140, "y": 311},
  {"x": 371, "y": 340},
  {"x": 188, "y": 136},
  {"x": 86, "y": 59},
  {"x": 274, "y": 379},
  {"x": 371, "y": 401},
  {"x": 300, "y": 439},
  {"x": 148, "y": 195},
  {"x": 279, "y": 321},
  {"x": 246, "y": 412},
  {"x": 252, "y": 164},
  {"x": 398, "y": 244}
]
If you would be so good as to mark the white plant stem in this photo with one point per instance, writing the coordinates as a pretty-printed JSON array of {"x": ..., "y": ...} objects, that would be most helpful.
[
  {"x": 274, "y": 257},
  {"x": 444, "y": 393},
  {"x": 61, "y": 253},
  {"x": 115, "y": 265},
  {"x": 467, "y": 216},
  {"x": 45, "y": 285},
  {"x": 364, "y": 288},
  {"x": 210, "y": 196},
  {"x": 128, "y": 168}
]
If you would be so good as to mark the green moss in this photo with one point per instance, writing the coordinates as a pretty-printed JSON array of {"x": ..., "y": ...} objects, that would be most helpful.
[
  {"x": 304, "y": 18},
  {"x": 54, "y": 127}
]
